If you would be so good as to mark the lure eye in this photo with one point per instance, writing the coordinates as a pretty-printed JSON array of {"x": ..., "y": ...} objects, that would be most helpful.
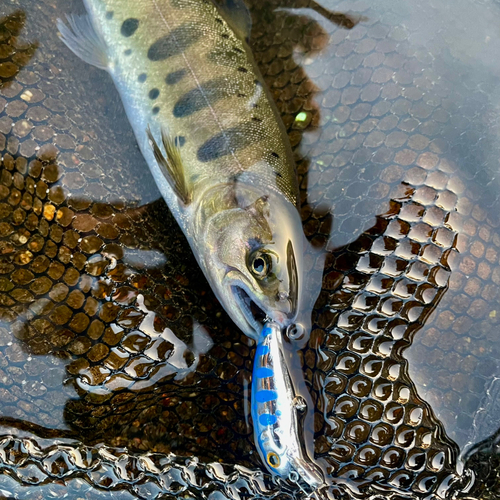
[
  {"x": 273, "y": 460},
  {"x": 261, "y": 265}
]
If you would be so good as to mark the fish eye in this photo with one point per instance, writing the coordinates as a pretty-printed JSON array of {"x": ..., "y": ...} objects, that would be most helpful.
[
  {"x": 273, "y": 460},
  {"x": 261, "y": 265}
]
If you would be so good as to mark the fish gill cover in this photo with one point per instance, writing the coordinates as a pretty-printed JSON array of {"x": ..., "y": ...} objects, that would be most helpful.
[{"x": 121, "y": 375}]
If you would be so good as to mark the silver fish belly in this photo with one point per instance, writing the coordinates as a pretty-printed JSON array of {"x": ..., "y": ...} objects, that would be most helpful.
[
  {"x": 213, "y": 139},
  {"x": 275, "y": 408}
]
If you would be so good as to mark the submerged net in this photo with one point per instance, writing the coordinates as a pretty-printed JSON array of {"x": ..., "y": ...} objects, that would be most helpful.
[{"x": 119, "y": 369}]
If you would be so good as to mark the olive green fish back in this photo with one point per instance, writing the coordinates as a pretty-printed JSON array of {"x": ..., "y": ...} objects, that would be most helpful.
[{"x": 182, "y": 61}]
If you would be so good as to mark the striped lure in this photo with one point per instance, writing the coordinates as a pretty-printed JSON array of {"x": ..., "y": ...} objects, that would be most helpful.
[
  {"x": 213, "y": 139},
  {"x": 274, "y": 413}
]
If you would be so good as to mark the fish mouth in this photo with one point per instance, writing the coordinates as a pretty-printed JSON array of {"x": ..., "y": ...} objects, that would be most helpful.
[{"x": 254, "y": 315}]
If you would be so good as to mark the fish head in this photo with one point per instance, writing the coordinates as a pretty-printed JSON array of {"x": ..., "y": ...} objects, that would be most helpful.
[{"x": 254, "y": 262}]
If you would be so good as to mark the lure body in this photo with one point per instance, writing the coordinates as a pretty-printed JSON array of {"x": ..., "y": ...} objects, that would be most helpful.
[{"x": 275, "y": 408}]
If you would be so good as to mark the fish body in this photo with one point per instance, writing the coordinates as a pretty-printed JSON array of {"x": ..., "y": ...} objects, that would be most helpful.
[
  {"x": 275, "y": 407},
  {"x": 188, "y": 80}
]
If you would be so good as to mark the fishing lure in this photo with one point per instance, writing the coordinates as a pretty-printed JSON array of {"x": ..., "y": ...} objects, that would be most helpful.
[{"x": 275, "y": 408}]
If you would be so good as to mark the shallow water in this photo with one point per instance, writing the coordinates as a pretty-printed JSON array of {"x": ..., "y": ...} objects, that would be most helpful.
[{"x": 119, "y": 370}]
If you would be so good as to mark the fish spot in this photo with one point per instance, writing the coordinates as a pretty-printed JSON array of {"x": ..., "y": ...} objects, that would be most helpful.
[
  {"x": 128, "y": 52},
  {"x": 180, "y": 140},
  {"x": 109, "y": 15},
  {"x": 175, "y": 77},
  {"x": 276, "y": 155},
  {"x": 129, "y": 26},
  {"x": 201, "y": 97},
  {"x": 154, "y": 93},
  {"x": 256, "y": 119},
  {"x": 264, "y": 372},
  {"x": 238, "y": 50},
  {"x": 267, "y": 419},
  {"x": 174, "y": 43},
  {"x": 266, "y": 396},
  {"x": 241, "y": 69},
  {"x": 156, "y": 110},
  {"x": 278, "y": 174},
  {"x": 230, "y": 140},
  {"x": 225, "y": 35},
  {"x": 142, "y": 78}
]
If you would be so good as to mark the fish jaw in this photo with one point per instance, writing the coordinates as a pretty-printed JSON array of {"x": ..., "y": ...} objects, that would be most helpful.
[
  {"x": 250, "y": 322},
  {"x": 247, "y": 311},
  {"x": 253, "y": 310}
]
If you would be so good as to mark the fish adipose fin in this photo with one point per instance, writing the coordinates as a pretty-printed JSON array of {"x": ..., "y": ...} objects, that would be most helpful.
[
  {"x": 171, "y": 165},
  {"x": 83, "y": 40},
  {"x": 238, "y": 16}
]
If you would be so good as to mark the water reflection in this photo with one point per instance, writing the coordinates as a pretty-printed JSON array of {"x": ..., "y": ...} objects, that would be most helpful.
[
  {"x": 15, "y": 54},
  {"x": 97, "y": 281}
]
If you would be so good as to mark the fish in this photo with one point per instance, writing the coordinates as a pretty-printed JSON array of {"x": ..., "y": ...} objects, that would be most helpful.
[
  {"x": 210, "y": 132},
  {"x": 275, "y": 409}
]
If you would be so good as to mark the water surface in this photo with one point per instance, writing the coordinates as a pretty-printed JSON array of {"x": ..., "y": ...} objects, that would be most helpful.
[{"x": 118, "y": 368}]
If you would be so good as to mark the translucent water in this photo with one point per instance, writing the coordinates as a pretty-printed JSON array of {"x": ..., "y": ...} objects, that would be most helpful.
[{"x": 120, "y": 374}]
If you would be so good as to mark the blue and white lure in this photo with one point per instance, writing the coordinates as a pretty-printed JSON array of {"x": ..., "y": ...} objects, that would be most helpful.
[{"x": 275, "y": 408}]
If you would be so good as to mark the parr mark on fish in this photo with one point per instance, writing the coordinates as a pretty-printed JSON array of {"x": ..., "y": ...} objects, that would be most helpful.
[
  {"x": 174, "y": 43},
  {"x": 203, "y": 96},
  {"x": 230, "y": 140},
  {"x": 175, "y": 77}
]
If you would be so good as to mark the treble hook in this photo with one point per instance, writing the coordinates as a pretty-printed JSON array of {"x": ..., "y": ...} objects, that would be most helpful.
[{"x": 295, "y": 479}]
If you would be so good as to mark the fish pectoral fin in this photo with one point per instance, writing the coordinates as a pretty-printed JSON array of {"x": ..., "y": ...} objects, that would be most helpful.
[
  {"x": 83, "y": 40},
  {"x": 238, "y": 16},
  {"x": 171, "y": 165}
]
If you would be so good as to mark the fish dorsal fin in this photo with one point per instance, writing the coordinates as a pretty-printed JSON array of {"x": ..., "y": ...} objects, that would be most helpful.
[
  {"x": 171, "y": 165},
  {"x": 83, "y": 40},
  {"x": 237, "y": 15}
]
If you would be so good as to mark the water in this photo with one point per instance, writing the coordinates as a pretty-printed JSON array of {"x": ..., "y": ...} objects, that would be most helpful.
[{"x": 120, "y": 374}]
